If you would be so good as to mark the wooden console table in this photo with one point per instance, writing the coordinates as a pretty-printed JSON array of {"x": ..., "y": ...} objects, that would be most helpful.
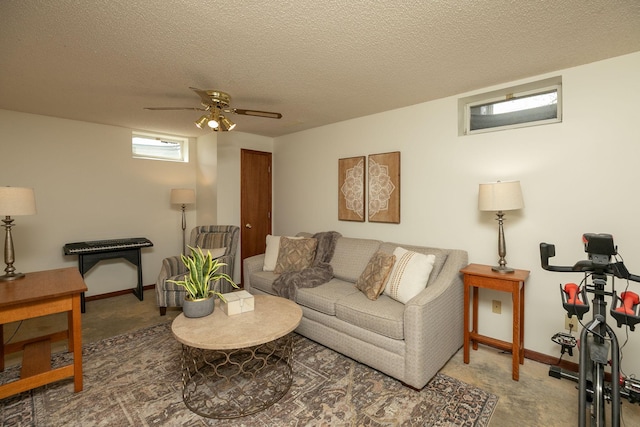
[
  {"x": 40, "y": 294},
  {"x": 481, "y": 276}
]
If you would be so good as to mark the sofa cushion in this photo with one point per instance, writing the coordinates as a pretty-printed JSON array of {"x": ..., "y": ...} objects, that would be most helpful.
[
  {"x": 409, "y": 275},
  {"x": 440, "y": 254},
  {"x": 372, "y": 280},
  {"x": 384, "y": 316},
  {"x": 351, "y": 256},
  {"x": 323, "y": 298},
  {"x": 295, "y": 254},
  {"x": 263, "y": 281}
]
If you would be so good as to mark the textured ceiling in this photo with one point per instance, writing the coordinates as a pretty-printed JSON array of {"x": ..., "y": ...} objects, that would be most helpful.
[{"x": 315, "y": 61}]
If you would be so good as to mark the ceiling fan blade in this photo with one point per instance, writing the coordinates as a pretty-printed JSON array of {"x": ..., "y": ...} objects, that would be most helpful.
[
  {"x": 204, "y": 96},
  {"x": 257, "y": 113},
  {"x": 175, "y": 108}
]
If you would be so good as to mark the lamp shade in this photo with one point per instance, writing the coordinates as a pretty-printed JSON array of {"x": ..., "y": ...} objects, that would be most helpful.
[
  {"x": 17, "y": 201},
  {"x": 500, "y": 196},
  {"x": 183, "y": 196}
]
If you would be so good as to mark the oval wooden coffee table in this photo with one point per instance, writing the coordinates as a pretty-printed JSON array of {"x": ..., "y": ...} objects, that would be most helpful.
[{"x": 233, "y": 366}]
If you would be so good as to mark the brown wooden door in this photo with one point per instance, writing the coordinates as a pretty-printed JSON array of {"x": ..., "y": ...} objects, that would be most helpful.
[{"x": 255, "y": 202}]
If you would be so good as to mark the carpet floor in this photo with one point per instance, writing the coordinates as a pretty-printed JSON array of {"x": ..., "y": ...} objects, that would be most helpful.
[{"x": 134, "y": 380}]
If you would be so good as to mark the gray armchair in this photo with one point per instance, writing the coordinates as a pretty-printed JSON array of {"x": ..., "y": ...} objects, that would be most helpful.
[{"x": 207, "y": 237}]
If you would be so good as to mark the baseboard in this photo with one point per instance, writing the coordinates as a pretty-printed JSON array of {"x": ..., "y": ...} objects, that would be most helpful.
[
  {"x": 545, "y": 359},
  {"x": 550, "y": 360}
]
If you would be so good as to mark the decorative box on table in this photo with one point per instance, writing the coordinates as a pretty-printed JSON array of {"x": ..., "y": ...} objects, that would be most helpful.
[{"x": 237, "y": 302}]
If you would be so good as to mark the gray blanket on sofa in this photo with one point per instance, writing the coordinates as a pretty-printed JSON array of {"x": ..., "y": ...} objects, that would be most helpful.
[{"x": 320, "y": 271}]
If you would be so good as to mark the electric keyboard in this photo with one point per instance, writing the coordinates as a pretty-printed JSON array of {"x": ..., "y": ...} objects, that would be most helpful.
[{"x": 106, "y": 245}]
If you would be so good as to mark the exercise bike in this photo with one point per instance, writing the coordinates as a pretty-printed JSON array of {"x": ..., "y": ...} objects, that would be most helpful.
[{"x": 598, "y": 343}]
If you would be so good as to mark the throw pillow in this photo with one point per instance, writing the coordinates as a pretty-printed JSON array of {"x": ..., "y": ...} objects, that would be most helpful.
[
  {"x": 409, "y": 275},
  {"x": 295, "y": 254},
  {"x": 372, "y": 280},
  {"x": 271, "y": 253},
  {"x": 215, "y": 252}
]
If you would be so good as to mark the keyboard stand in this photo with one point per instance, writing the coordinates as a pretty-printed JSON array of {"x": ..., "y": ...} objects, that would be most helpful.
[{"x": 86, "y": 261}]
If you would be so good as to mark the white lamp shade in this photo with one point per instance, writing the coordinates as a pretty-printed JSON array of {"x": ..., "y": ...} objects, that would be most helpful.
[
  {"x": 183, "y": 196},
  {"x": 17, "y": 201},
  {"x": 500, "y": 196}
]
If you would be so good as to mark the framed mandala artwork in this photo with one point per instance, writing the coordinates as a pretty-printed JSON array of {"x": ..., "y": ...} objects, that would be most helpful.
[
  {"x": 384, "y": 187},
  {"x": 351, "y": 189}
]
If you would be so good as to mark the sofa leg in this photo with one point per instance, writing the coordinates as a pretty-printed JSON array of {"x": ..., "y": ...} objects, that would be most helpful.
[{"x": 163, "y": 311}]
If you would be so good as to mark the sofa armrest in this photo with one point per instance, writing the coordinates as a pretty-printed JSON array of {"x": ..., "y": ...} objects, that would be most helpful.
[
  {"x": 251, "y": 265},
  {"x": 171, "y": 266},
  {"x": 434, "y": 322}
]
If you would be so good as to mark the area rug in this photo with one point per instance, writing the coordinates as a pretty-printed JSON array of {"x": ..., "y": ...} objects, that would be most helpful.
[{"x": 134, "y": 380}]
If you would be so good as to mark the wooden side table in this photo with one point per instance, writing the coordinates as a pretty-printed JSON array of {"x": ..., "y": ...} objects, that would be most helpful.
[
  {"x": 39, "y": 294},
  {"x": 481, "y": 276}
]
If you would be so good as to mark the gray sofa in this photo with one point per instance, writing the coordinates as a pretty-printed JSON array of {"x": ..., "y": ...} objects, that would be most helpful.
[{"x": 409, "y": 342}]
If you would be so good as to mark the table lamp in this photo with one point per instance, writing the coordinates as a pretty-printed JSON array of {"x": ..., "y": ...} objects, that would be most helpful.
[
  {"x": 183, "y": 197},
  {"x": 499, "y": 197},
  {"x": 14, "y": 201}
]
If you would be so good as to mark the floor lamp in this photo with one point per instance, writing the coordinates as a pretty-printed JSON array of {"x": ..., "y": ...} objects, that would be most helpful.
[
  {"x": 183, "y": 197},
  {"x": 499, "y": 197},
  {"x": 14, "y": 201}
]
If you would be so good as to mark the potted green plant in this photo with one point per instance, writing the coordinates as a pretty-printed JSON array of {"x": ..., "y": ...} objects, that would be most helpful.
[{"x": 202, "y": 269}]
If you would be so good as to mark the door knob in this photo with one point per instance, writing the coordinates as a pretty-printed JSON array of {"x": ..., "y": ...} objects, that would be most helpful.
[{"x": 247, "y": 226}]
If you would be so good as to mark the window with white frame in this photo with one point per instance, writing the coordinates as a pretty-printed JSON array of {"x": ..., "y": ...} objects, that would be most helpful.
[
  {"x": 532, "y": 104},
  {"x": 159, "y": 147}
]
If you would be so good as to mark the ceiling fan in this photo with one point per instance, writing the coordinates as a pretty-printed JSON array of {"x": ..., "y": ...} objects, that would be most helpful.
[{"x": 216, "y": 105}]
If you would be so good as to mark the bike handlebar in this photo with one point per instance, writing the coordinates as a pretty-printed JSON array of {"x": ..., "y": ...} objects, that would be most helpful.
[{"x": 617, "y": 269}]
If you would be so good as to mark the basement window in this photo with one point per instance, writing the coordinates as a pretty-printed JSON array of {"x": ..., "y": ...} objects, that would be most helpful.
[
  {"x": 532, "y": 104},
  {"x": 159, "y": 147}
]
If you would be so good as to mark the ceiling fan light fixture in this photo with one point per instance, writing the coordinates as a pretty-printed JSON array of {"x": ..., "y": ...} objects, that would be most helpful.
[
  {"x": 214, "y": 120},
  {"x": 226, "y": 123},
  {"x": 216, "y": 105},
  {"x": 202, "y": 121}
]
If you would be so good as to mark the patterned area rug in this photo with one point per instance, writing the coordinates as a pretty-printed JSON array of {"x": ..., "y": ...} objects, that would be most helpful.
[{"x": 134, "y": 380}]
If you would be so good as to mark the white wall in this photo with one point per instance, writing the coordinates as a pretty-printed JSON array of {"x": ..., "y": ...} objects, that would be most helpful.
[
  {"x": 88, "y": 187},
  {"x": 207, "y": 181},
  {"x": 577, "y": 176}
]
